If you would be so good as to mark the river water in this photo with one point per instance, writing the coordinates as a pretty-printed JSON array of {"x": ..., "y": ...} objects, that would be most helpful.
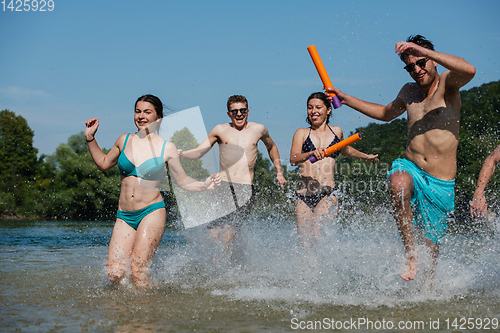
[{"x": 53, "y": 279}]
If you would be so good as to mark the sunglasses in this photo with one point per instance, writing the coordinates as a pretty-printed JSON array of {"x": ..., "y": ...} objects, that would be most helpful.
[
  {"x": 242, "y": 110},
  {"x": 420, "y": 63}
]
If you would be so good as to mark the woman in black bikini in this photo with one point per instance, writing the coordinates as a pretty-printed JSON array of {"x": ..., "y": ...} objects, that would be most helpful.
[{"x": 315, "y": 199}]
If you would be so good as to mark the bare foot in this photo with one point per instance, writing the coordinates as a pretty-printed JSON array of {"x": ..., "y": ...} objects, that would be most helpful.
[
  {"x": 140, "y": 276},
  {"x": 410, "y": 271},
  {"x": 143, "y": 283}
]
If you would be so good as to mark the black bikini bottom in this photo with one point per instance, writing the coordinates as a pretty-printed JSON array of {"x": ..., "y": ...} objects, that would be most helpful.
[{"x": 312, "y": 200}]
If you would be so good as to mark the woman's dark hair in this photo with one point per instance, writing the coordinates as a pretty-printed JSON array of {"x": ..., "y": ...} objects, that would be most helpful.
[
  {"x": 158, "y": 105},
  {"x": 321, "y": 96}
]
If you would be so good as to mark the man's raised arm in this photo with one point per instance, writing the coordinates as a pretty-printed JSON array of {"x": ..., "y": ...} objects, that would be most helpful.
[
  {"x": 460, "y": 71},
  {"x": 373, "y": 110}
]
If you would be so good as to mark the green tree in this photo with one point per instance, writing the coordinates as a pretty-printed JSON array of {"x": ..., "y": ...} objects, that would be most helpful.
[
  {"x": 480, "y": 106},
  {"x": 479, "y": 135},
  {"x": 185, "y": 140},
  {"x": 80, "y": 191},
  {"x": 68, "y": 185},
  {"x": 270, "y": 198},
  {"x": 365, "y": 183},
  {"x": 18, "y": 161}
]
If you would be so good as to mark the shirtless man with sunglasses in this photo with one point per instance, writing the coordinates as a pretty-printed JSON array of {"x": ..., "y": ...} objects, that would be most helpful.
[
  {"x": 237, "y": 142},
  {"x": 425, "y": 178}
]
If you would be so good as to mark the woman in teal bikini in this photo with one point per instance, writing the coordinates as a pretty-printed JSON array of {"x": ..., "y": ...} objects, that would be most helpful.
[
  {"x": 315, "y": 199},
  {"x": 141, "y": 216}
]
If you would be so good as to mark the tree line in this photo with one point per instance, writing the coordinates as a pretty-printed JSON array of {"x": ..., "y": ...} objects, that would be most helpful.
[{"x": 68, "y": 185}]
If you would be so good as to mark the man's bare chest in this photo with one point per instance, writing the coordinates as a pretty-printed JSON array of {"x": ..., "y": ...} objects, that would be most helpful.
[{"x": 241, "y": 139}]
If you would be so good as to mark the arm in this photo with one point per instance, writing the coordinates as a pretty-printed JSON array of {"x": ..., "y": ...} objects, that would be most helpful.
[
  {"x": 180, "y": 177},
  {"x": 351, "y": 152},
  {"x": 203, "y": 148},
  {"x": 460, "y": 71},
  {"x": 373, "y": 110},
  {"x": 479, "y": 205},
  {"x": 103, "y": 161},
  {"x": 274, "y": 155},
  {"x": 354, "y": 153},
  {"x": 296, "y": 154}
]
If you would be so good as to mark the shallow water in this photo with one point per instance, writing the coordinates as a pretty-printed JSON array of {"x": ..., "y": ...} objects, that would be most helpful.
[{"x": 53, "y": 279}]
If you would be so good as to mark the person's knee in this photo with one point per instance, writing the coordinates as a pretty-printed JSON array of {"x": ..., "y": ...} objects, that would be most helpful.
[{"x": 400, "y": 185}]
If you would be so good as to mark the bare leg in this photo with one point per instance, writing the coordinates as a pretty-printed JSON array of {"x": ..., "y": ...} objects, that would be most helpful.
[
  {"x": 120, "y": 249},
  {"x": 305, "y": 225},
  {"x": 309, "y": 222},
  {"x": 308, "y": 231},
  {"x": 224, "y": 235},
  {"x": 433, "y": 252},
  {"x": 401, "y": 190},
  {"x": 148, "y": 237}
]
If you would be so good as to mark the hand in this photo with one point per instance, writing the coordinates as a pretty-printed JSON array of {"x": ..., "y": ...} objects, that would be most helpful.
[
  {"x": 337, "y": 92},
  {"x": 281, "y": 180},
  {"x": 411, "y": 48},
  {"x": 212, "y": 181},
  {"x": 179, "y": 153},
  {"x": 91, "y": 126},
  {"x": 371, "y": 158},
  {"x": 318, "y": 153},
  {"x": 479, "y": 206}
]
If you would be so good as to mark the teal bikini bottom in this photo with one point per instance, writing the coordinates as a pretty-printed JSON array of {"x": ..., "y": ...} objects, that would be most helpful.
[{"x": 134, "y": 217}]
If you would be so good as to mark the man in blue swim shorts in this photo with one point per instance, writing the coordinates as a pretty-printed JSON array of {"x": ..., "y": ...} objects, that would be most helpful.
[{"x": 426, "y": 176}]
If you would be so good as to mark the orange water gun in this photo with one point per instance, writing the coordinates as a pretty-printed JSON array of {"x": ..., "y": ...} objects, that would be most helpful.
[
  {"x": 323, "y": 75},
  {"x": 338, "y": 146}
]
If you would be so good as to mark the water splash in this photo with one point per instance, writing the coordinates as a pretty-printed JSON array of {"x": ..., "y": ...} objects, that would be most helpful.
[{"x": 356, "y": 262}]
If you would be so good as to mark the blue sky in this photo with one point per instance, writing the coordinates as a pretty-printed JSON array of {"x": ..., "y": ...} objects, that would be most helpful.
[{"x": 95, "y": 58}]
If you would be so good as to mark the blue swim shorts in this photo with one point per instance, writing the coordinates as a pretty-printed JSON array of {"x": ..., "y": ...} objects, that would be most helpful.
[{"x": 433, "y": 200}]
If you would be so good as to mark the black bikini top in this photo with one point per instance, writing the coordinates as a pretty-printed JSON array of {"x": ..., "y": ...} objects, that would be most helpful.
[{"x": 308, "y": 145}]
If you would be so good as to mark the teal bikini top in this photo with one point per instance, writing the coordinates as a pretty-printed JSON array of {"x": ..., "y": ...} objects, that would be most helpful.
[{"x": 152, "y": 169}]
